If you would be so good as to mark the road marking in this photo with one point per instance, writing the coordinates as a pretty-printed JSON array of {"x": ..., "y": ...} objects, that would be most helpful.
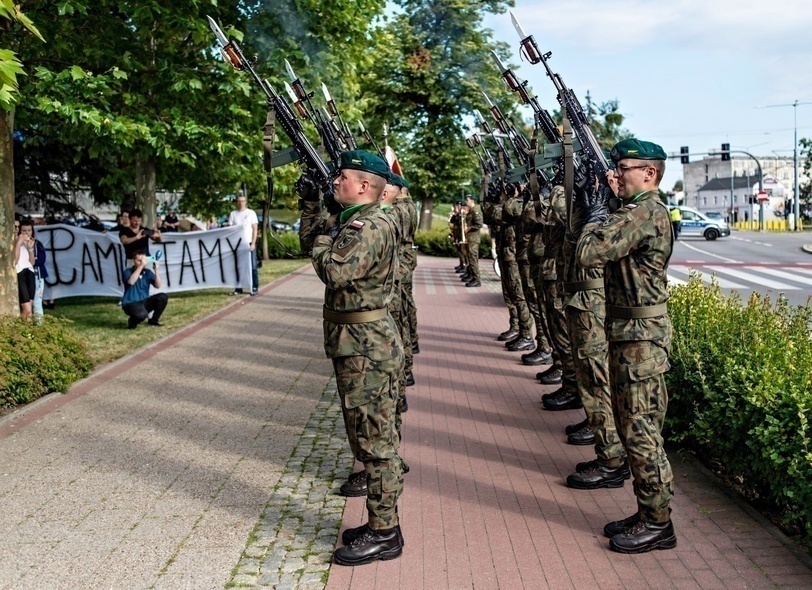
[
  {"x": 695, "y": 249},
  {"x": 780, "y": 274},
  {"x": 449, "y": 288},
  {"x": 724, "y": 283},
  {"x": 676, "y": 281},
  {"x": 753, "y": 278},
  {"x": 430, "y": 289}
]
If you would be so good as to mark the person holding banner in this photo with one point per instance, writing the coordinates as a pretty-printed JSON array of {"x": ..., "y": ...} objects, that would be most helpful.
[
  {"x": 136, "y": 238},
  {"x": 247, "y": 219},
  {"x": 137, "y": 302}
]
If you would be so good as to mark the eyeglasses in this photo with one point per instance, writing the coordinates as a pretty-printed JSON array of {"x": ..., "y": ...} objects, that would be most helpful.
[{"x": 621, "y": 170}]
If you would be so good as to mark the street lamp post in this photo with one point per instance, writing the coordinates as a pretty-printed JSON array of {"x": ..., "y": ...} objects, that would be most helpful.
[{"x": 796, "y": 191}]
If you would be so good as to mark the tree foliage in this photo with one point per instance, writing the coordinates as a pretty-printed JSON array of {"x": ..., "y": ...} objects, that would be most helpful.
[
  {"x": 805, "y": 189},
  {"x": 10, "y": 65}
]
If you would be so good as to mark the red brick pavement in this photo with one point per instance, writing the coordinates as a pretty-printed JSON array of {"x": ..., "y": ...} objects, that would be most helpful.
[{"x": 485, "y": 504}]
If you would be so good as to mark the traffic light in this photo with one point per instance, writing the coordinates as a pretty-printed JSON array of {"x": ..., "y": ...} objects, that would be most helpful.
[
  {"x": 725, "y": 152},
  {"x": 684, "y": 158}
]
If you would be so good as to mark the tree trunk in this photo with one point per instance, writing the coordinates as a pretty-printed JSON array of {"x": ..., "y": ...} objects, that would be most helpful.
[
  {"x": 427, "y": 209},
  {"x": 9, "y": 301},
  {"x": 145, "y": 189},
  {"x": 266, "y": 212}
]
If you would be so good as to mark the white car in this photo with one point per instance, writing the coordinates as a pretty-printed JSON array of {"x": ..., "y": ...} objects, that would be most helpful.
[{"x": 696, "y": 223}]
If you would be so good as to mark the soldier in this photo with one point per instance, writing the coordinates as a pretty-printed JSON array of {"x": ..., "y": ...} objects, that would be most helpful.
[
  {"x": 406, "y": 213},
  {"x": 635, "y": 243},
  {"x": 455, "y": 234},
  {"x": 356, "y": 259},
  {"x": 473, "y": 225}
]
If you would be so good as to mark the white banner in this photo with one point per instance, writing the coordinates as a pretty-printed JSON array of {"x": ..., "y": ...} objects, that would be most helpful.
[{"x": 85, "y": 262}]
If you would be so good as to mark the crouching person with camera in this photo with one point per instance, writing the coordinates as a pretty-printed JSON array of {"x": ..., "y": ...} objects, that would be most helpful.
[{"x": 137, "y": 302}]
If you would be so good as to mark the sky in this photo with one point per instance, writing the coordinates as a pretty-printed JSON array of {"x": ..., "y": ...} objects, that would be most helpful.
[{"x": 685, "y": 72}]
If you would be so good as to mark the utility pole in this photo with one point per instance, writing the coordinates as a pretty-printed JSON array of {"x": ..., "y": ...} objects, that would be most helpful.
[{"x": 796, "y": 191}]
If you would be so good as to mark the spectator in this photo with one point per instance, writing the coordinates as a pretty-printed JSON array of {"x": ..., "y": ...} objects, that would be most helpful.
[
  {"x": 170, "y": 222},
  {"x": 247, "y": 219},
  {"x": 40, "y": 274},
  {"x": 24, "y": 255},
  {"x": 213, "y": 223},
  {"x": 122, "y": 222},
  {"x": 137, "y": 302},
  {"x": 136, "y": 238}
]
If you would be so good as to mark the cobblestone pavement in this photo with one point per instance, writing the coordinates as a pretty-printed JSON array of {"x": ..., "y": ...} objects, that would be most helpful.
[{"x": 292, "y": 545}]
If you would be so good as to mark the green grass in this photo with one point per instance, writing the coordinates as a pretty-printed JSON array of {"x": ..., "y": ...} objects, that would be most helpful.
[{"x": 102, "y": 325}]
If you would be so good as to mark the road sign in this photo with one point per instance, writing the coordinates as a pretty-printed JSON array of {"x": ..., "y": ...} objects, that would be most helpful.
[{"x": 763, "y": 197}]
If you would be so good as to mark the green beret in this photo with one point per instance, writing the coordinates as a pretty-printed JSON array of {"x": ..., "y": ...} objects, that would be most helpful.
[
  {"x": 364, "y": 161},
  {"x": 398, "y": 180},
  {"x": 637, "y": 150},
  {"x": 473, "y": 198},
  {"x": 458, "y": 202}
]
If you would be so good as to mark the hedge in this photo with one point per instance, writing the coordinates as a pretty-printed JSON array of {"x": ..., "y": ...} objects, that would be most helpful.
[
  {"x": 38, "y": 359},
  {"x": 740, "y": 390},
  {"x": 435, "y": 242}
]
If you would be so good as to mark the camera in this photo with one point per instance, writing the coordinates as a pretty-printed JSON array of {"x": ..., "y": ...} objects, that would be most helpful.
[{"x": 147, "y": 232}]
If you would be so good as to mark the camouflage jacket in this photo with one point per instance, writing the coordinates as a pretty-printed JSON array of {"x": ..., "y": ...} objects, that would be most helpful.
[
  {"x": 359, "y": 269},
  {"x": 635, "y": 244},
  {"x": 314, "y": 222},
  {"x": 406, "y": 214},
  {"x": 473, "y": 223}
]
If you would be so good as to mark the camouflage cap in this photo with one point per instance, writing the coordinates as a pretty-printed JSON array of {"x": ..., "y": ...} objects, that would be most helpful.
[
  {"x": 398, "y": 180},
  {"x": 637, "y": 150},
  {"x": 364, "y": 161}
]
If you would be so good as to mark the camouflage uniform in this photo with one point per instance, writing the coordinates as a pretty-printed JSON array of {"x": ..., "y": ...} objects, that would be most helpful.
[
  {"x": 511, "y": 277},
  {"x": 473, "y": 225},
  {"x": 495, "y": 228},
  {"x": 359, "y": 269},
  {"x": 407, "y": 216},
  {"x": 635, "y": 244},
  {"x": 585, "y": 305}
]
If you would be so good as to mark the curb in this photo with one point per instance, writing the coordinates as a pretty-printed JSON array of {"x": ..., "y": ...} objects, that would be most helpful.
[
  {"x": 745, "y": 506},
  {"x": 46, "y": 404}
]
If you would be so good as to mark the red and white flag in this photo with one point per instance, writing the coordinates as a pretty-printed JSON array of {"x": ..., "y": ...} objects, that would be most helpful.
[{"x": 392, "y": 160}]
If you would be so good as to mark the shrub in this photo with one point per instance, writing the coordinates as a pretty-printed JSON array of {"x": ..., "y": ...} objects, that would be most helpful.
[
  {"x": 290, "y": 239},
  {"x": 435, "y": 242},
  {"x": 740, "y": 389},
  {"x": 38, "y": 359}
]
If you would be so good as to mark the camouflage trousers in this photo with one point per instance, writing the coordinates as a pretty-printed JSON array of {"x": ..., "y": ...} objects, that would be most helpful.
[
  {"x": 559, "y": 333},
  {"x": 463, "y": 251},
  {"x": 532, "y": 299},
  {"x": 473, "y": 256},
  {"x": 512, "y": 310},
  {"x": 512, "y": 280},
  {"x": 640, "y": 402},
  {"x": 396, "y": 311},
  {"x": 368, "y": 401},
  {"x": 590, "y": 356},
  {"x": 409, "y": 310},
  {"x": 537, "y": 277}
]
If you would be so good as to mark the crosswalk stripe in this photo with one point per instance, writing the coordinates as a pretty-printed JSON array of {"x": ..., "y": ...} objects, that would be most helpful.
[
  {"x": 753, "y": 278},
  {"x": 724, "y": 283},
  {"x": 781, "y": 274},
  {"x": 449, "y": 288},
  {"x": 676, "y": 281},
  {"x": 430, "y": 289}
]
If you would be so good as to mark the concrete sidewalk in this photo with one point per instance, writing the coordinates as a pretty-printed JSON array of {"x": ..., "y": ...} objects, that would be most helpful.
[{"x": 212, "y": 458}]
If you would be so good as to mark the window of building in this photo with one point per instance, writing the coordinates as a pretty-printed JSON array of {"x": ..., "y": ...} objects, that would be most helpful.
[
  {"x": 705, "y": 201},
  {"x": 715, "y": 200}
]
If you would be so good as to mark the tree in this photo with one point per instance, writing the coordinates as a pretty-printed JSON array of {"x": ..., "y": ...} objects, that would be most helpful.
[
  {"x": 10, "y": 67},
  {"x": 805, "y": 189},
  {"x": 678, "y": 186},
  {"x": 605, "y": 121},
  {"x": 431, "y": 66}
]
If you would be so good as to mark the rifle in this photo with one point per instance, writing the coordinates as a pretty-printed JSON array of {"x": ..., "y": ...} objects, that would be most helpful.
[
  {"x": 369, "y": 139},
  {"x": 333, "y": 142},
  {"x": 568, "y": 102},
  {"x": 543, "y": 120},
  {"x": 349, "y": 140},
  {"x": 521, "y": 147},
  {"x": 287, "y": 119},
  {"x": 500, "y": 145},
  {"x": 486, "y": 163}
]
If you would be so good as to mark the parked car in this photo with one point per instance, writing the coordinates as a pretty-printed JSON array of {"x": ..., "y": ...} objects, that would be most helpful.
[
  {"x": 297, "y": 224},
  {"x": 279, "y": 225},
  {"x": 697, "y": 223},
  {"x": 714, "y": 215}
]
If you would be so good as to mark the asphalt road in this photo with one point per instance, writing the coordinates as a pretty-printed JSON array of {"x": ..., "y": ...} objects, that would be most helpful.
[{"x": 749, "y": 261}]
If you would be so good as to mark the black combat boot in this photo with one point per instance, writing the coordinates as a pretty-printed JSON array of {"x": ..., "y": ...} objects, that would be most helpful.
[
  {"x": 540, "y": 356},
  {"x": 409, "y": 379},
  {"x": 551, "y": 376},
  {"x": 643, "y": 537},
  {"x": 521, "y": 344},
  {"x": 415, "y": 349},
  {"x": 576, "y": 427},
  {"x": 356, "y": 485},
  {"x": 459, "y": 268},
  {"x": 350, "y": 535},
  {"x": 565, "y": 400},
  {"x": 585, "y": 436},
  {"x": 620, "y": 526},
  {"x": 465, "y": 277},
  {"x": 596, "y": 477},
  {"x": 586, "y": 465},
  {"x": 508, "y": 335},
  {"x": 403, "y": 407},
  {"x": 370, "y": 546},
  {"x": 473, "y": 283}
]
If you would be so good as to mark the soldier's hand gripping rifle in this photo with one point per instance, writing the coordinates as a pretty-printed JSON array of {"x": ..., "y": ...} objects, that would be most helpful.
[
  {"x": 333, "y": 142},
  {"x": 568, "y": 101},
  {"x": 287, "y": 119}
]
